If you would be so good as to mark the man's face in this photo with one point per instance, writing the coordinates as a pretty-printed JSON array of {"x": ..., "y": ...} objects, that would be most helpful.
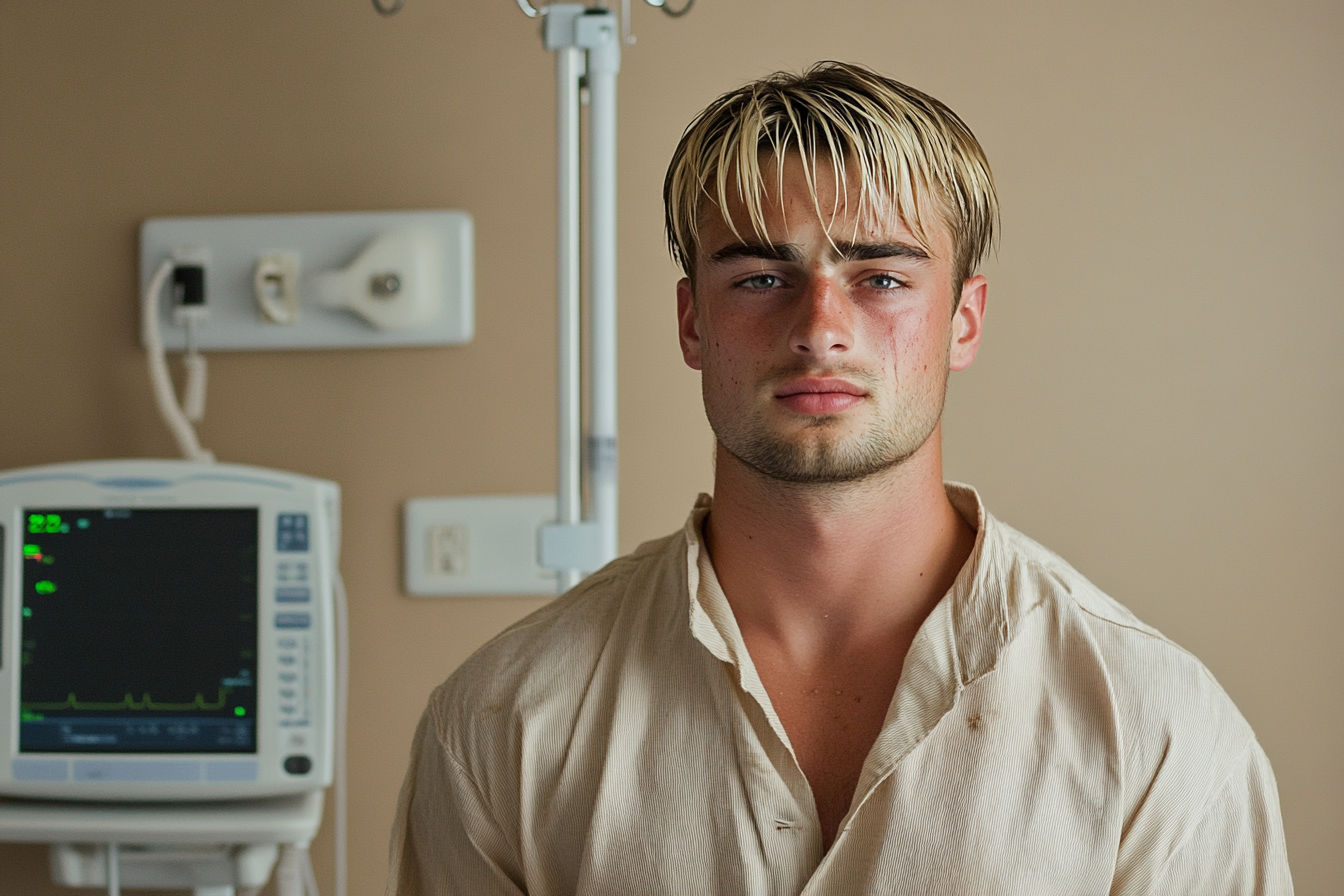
[{"x": 825, "y": 359}]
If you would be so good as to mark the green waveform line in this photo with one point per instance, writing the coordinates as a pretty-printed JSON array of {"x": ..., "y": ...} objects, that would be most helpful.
[{"x": 129, "y": 702}]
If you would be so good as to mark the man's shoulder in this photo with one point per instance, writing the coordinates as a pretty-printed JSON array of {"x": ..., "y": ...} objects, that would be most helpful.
[
  {"x": 1037, "y": 578},
  {"x": 1030, "y": 566},
  {"x": 1161, "y": 693},
  {"x": 1192, "y": 774},
  {"x": 542, "y": 663}
]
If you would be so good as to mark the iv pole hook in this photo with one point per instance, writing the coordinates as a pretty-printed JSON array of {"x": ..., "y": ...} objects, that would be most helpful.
[{"x": 532, "y": 11}]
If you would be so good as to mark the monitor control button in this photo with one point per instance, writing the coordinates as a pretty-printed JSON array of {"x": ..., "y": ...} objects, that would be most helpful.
[
  {"x": 298, "y": 765},
  {"x": 293, "y": 620},
  {"x": 292, "y": 595}
]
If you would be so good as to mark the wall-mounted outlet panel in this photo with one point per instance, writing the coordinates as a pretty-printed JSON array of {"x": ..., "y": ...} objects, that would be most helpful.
[
  {"x": 320, "y": 243},
  {"x": 455, "y": 547}
]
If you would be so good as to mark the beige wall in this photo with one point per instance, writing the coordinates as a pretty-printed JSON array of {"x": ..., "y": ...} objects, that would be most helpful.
[{"x": 1160, "y": 397}]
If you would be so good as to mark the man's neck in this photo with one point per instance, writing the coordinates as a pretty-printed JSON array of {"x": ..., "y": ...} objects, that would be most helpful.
[
  {"x": 820, "y": 569},
  {"x": 829, "y": 586}
]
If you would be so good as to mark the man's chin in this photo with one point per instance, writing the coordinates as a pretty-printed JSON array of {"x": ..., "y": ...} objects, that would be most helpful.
[{"x": 804, "y": 462}]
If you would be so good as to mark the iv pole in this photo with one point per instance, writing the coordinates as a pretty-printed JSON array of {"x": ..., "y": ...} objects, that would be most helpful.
[{"x": 587, "y": 47}]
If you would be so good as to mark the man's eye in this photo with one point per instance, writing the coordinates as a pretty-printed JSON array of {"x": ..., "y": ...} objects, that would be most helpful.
[
  {"x": 761, "y": 281},
  {"x": 884, "y": 281}
]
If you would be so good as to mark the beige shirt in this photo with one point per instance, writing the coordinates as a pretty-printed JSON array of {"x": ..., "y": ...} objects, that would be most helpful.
[{"x": 1041, "y": 741}]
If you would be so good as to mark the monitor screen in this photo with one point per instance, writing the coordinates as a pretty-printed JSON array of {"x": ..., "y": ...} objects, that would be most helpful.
[{"x": 139, "y": 630}]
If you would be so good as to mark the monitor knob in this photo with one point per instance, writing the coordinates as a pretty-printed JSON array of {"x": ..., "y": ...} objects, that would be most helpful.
[{"x": 298, "y": 765}]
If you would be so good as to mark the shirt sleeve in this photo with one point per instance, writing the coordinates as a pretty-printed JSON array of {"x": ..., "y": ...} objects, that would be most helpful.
[
  {"x": 1234, "y": 847},
  {"x": 445, "y": 840}
]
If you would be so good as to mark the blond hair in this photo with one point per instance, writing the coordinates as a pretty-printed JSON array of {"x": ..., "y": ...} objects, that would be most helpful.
[{"x": 910, "y": 151}]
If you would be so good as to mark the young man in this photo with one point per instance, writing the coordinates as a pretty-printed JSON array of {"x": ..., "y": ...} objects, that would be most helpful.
[{"x": 843, "y": 675}]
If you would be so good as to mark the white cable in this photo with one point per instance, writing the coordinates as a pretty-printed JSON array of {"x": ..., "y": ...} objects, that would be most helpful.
[
  {"x": 169, "y": 410},
  {"x": 193, "y": 393},
  {"x": 309, "y": 878},
  {"x": 342, "y": 695},
  {"x": 113, "y": 869},
  {"x": 289, "y": 877}
]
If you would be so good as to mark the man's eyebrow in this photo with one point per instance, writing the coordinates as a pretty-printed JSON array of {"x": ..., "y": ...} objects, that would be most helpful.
[
  {"x": 874, "y": 251},
  {"x": 776, "y": 252}
]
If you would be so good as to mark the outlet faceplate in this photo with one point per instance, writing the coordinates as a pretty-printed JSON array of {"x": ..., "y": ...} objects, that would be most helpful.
[
  {"x": 319, "y": 243},
  {"x": 478, "y": 545},
  {"x": 447, "y": 551}
]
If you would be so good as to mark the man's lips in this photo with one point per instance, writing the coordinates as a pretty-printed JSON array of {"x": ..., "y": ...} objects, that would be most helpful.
[{"x": 818, "y": 396}]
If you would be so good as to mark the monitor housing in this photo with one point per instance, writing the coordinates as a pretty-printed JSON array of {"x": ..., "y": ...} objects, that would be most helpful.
[{"x": 166, "y": 631}]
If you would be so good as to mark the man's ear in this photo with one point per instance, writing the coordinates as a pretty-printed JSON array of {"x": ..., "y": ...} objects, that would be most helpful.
[
  {"x": 688, "y": 328},
  {"x": 968, "y": 322}
]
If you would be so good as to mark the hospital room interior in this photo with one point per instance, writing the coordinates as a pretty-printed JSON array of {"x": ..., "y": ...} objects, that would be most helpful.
[{"x": 1157, "y": 397}]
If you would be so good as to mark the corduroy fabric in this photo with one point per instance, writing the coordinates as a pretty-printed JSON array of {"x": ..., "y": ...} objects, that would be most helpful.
[{"x": 1041, "y": 741}]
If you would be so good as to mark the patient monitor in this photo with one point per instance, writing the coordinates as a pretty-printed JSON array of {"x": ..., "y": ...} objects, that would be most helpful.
[{"x": 166, "y": 631}]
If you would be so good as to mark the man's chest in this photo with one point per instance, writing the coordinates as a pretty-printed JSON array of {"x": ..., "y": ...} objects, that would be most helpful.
[
  {"x": 997, "y": 798},
  {"x": 831, "y": 714}
]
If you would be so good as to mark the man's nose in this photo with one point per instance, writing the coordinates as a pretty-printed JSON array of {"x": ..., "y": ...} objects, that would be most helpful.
[{"x": 824, "y": 326}]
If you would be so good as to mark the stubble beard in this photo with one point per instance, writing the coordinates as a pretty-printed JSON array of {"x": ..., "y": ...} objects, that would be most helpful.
[{"x": 822, "y": 452}]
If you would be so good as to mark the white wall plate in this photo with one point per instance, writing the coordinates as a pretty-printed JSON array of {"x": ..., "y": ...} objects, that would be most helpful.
[
  {"x": 322, "y": 242},
  {"x": 477, "y": 545}
]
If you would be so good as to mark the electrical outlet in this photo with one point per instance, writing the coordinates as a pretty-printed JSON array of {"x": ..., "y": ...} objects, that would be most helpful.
[
  {"x": 486, "y": 544},
  {"x": 447, "y": 551}
]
